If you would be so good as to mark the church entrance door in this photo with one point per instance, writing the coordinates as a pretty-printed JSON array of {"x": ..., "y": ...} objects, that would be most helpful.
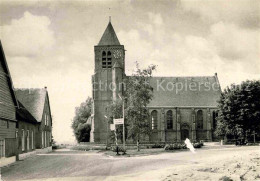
[
  {"x": 185, "y": 131},
  {"x": 184, "y": 134}
]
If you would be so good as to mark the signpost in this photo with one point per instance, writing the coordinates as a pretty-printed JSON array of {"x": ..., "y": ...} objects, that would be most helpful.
[
  {"x": 112, "y": 127},
  {"x": 119, "y": 121}
]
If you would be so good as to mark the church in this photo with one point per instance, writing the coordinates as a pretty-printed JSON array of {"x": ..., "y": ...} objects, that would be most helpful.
[{"x": 182, "y": 107}]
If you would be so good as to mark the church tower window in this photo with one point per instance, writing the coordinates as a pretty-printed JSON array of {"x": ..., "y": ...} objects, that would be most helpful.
[
  {"x": 200, "y": 119},
  {"x": 109, "y": 60},
  {"x": 104, "y": 60},
  {"x": 169, "y": 119},
  {"x": 154, "y": 117}
]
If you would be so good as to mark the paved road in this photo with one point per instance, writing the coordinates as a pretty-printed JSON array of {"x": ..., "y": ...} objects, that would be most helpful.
[{"x": 73, "y": 165}]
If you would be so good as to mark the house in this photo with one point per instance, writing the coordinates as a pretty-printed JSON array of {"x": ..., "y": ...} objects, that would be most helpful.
[
  {"x": 8, "y": 121},
  {"x": 37, "y": 105},
  {"x": 26, "y": 132},
  {"x": 182, "y": 107},
  {"x": 25, "y": 119}
]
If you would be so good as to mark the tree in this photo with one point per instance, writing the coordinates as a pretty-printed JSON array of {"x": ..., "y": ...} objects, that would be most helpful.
[
  {"x": 239, "y": 110},
  {"x": 138, "y": 94},
  {"x": 79, "y": 125},
  {"x": 114, "y": 111}
]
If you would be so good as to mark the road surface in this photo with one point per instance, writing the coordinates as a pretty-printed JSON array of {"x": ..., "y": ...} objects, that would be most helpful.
[{"x": 78, "y": 165}]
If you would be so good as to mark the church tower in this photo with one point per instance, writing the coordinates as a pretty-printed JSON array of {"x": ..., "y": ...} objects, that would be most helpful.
[{"x": 108, "y": 74}]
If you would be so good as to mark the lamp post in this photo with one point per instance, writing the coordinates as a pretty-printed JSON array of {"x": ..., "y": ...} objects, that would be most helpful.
[{"x": 124, "y": 121}]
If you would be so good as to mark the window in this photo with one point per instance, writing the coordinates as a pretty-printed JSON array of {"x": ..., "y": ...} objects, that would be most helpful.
[
  {"x": 45, "y": 136},
  {"x": 154, "y": 117},
  {"x": 109, "y": 60},
  {"x": 200, "y": 119},
  {"x": 42, "y": 139},
  {"x": 169, "y": 119},
  {"x": 23, "y": 137},
  {"x": 32, "y": 141},
  {"x": 28, "y": 140},
  {"x": 104, "y": 60},
  {"x": 50, "y": 138}
]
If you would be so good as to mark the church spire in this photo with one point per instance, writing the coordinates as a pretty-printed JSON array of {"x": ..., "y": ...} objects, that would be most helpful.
[{"x": 109, "y": 36}]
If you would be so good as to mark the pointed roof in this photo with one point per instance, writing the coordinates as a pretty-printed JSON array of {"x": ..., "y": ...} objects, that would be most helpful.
[
  {"x": 109, "y": 36},
  {"x": 7, "y": 73},
  {"x": 33, "y": 100},
  {"x": 24, "y": 115}
]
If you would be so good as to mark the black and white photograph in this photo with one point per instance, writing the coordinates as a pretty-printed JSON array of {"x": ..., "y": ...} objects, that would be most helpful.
[{"x": 135, "y": 90}]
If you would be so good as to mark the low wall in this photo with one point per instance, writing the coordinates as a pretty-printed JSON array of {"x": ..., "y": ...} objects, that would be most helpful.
[
  {"x": 6, "y": 161},
  {"x": 44, "y": 150},
  {"x": 26, "y": 155}
]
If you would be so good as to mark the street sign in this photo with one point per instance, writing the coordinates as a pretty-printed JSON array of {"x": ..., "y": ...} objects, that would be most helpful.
[
  {"x": 112, "y": 127},
  {"x": 119, "y": 121}
]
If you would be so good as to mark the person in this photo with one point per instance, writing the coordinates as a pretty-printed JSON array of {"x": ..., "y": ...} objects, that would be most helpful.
[{"x": 189, "y": 145}]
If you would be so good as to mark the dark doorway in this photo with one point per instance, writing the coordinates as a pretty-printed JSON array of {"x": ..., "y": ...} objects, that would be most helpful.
[{"x": 184, "y": 134}]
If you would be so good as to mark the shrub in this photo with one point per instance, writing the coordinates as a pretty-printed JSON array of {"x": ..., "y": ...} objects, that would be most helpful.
[
  {"x": 183, "y": 146},
  {"x": 80, "y": 148},
  {"x": 196, "y": 145},
  {"x": 158, "y": 145},
  {"x": 120, "y": 149},
  {"x": 174, "y": 146}
]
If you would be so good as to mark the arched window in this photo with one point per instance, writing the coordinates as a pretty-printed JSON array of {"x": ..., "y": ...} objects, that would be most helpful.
[
  {"x": 169, "y": 119},
  {"x": 200, "y": 119},
  {"x": 109, "y": 60},
  {"x": 104, "y": 60},
  {"x": 154, "y": 117}
]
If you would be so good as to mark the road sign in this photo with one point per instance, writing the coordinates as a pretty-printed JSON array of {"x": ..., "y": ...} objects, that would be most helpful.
[
  {"x": 112, "y": 127},
  {"x": 119, "y": 121}
]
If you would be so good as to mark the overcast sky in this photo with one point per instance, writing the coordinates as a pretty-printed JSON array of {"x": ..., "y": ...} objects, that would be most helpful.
[{"x": 52, "y": 43}]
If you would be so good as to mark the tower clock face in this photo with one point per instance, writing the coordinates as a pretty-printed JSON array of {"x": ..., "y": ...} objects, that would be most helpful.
[{"x": 117, "y": 54}]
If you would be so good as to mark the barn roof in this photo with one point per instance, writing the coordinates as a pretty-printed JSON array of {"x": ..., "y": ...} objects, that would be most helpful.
[
  {"x": 109, "y": 36},
  {"x": 33, "y": 100},
  {"x": 203, "y": 91},
  {"x": 7, "y": 72},
  {"x": 24, "y": 115}
]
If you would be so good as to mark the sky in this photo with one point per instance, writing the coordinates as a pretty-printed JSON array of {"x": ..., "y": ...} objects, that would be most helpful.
[{"x": 51, "y": 43}]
